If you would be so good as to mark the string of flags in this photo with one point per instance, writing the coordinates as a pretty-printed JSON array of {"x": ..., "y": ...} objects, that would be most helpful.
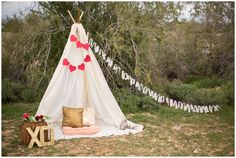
[{"x": 147, "y": 91}]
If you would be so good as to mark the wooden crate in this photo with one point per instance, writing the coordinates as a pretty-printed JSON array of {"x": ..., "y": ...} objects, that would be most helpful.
[{"x": 24, "y": 134}]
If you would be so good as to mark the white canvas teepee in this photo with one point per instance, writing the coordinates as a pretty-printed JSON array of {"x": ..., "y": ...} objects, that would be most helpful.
[{"x": 78, "y": 81}]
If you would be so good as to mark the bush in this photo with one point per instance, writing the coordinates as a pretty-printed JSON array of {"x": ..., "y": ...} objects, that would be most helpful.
[
  {"x": 228, "y": 90},
  {"x": 127, "y": 102},
  {"x": 28, "y": 95},
  {"x": 131, "y": 103},
  {"x": 11, "y": 91},
  {"x": 208, "y": 83},
  {"x": 191, "y": 78},
  {"x": 206, "y": 97},
  {"x": 148, "y": 104},
  {"x": 16, "y": 92},
  {"x": 191, "y": 93},
  {"x": 204, "y": 81},
  {"x": 178, "y": 91}
]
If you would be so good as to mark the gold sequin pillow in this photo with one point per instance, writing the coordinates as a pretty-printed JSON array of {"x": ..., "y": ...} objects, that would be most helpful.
[{"x": 72, "y": 117}]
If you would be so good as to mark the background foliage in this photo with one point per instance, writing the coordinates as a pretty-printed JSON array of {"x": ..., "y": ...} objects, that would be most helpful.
[{"x": 190, "y": 60}]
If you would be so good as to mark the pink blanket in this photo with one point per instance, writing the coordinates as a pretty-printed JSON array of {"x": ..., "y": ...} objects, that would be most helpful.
[{"x": 85, "y": 130}]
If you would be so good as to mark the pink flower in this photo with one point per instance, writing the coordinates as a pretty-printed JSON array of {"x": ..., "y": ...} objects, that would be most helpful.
[{"x": 26, "y": 115}]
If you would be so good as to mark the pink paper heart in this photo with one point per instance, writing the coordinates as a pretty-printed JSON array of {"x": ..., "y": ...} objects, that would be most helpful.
[
  {"x": 79, "y": 44},
  {"x": 81, "y": 67},
  {"x": 66, "y": 62},
  {"x": 72, "y": 68},
  {"x": 86, "y": 46},
  {"x": 87, "y": 58},
  {"x": 73, "y": 38}
]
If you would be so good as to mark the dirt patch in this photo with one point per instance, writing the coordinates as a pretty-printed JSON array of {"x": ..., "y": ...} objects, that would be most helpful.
[
  {"x": 7, "y": 133},
  {"x": 164, "y": 139}
]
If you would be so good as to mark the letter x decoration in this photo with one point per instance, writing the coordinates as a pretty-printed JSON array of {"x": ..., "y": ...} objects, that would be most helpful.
[
  {"x": 34, "y": 138},
  {"x": 41, "y": 142}
]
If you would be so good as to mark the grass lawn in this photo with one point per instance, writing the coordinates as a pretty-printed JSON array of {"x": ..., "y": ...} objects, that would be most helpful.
[{"x": 168, "y": 132}]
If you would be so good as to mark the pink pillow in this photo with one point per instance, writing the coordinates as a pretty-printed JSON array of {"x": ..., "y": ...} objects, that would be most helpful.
[{"x": 85, "y": 130}]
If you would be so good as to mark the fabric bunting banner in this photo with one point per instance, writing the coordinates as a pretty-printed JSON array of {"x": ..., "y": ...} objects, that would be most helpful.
[{"x": 147, "y": 91}]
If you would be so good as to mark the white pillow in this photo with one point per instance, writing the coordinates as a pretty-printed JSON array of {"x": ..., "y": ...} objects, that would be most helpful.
[{"x": 89, "y": 116}]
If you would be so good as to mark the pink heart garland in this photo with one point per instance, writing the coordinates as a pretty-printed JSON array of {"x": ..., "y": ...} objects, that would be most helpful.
[
  {"x": 86, "y": 46},
  {"x": 87, "y": 58},
  {"x": 72, "y": 68},
  {"x": 81, "y": 67},
  {"x": 66, "y": 62},
  {"x": 73, "y": 38},
  {"x": 79, "y": 44}
]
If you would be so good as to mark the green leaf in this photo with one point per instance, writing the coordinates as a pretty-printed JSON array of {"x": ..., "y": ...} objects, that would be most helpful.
[{"x": 32, "y": 119}]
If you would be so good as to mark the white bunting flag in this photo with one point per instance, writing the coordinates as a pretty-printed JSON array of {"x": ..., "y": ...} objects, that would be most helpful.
[
  {"x": 141, "y": 86},
  {"x": 132, "y": 81},
  {"x": 175, "y": 104},
  {"x": 192, "y": 108},
  {"x": 151, "y": 93},
  {"x": 189, "y": 110},
  {"x": 123, "y": 75},
  {"x": 180, "y": 105},
  {"x": 185, "y": 107},
  {"x": 126, "y": 76},
  {"x": 116, "y": 68},
  {"x": 109, "y": 62},
  {"x": 162, "y": 99},
  {"x": 210, "y": 108},
  {"x": 216, "y": 107},
  {"x": 145, "y": 90},
  {"x": 104, "y": 56},
  {"x": 171, "y": 103},
  {"x": 206, "y": 109},
  {"x": 201, "y": 109},
  {"x": 96, "y": 48},
  {"x": 137, "y": 85},
  {"x": 167, "y": 101},
  {"x": 155, "y": 96},
  {"x": 196, "y": 108}
]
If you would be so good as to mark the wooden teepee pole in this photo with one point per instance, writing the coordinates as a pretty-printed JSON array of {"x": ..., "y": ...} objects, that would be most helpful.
[
  {"x": 79, "y": 15},
  {"x": 71, "y": 16}
]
